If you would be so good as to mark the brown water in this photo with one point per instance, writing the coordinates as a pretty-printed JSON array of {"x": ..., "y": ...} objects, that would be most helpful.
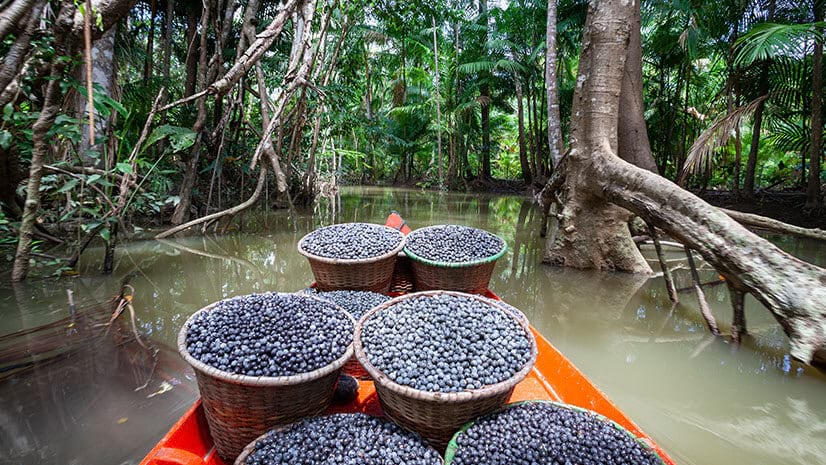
[{"x": 704, "y": 401}]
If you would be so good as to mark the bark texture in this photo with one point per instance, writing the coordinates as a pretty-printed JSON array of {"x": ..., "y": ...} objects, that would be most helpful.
[
  {"x": 593, "y": 233},
  {"x": 633, "y": 145}
]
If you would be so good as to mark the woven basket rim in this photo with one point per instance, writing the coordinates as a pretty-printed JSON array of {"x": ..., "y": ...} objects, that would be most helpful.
[
  {"x": 486, "y": 391},
  {"x": 439, "y": 264},
  {"x": 452, "y": 446},
  {"x": 264, "y": 381},
  {"x": 358, "y": 261},
  {"x": 249, "y": 448}
]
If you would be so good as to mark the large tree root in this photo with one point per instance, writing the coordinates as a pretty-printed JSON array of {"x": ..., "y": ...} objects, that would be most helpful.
[
  {"x": 793, "y": 290},
  {"x": 751, "y": 220}
]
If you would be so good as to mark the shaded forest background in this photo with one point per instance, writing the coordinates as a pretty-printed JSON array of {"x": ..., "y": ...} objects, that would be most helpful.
[{"x": 201, "y": 109}]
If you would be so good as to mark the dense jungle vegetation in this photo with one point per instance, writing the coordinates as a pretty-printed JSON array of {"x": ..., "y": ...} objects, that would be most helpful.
[{"x": 120, "y": 115}]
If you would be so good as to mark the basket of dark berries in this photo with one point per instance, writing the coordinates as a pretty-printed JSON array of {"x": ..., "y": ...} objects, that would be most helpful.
[
  {"x": 354, "y": 256},
  {"x": 356, "y": 303},
  {"x": 547, "y": 433},
  {"x": 263, "y": 360},
  {"x": 345, "y": 438},
  {"x": 440, "y": 359},
  {"x": 453, "y": 257}
]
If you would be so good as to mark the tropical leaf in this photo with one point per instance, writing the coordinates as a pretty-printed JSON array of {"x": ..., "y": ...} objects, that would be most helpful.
[
  {"x": 701, "y": 154},
  {"x": 789, "y": 135},
  {"x": 476, "y": 67},
  {"x": 767, "y": 41}
]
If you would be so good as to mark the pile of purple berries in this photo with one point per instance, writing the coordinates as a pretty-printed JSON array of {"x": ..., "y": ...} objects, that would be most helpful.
[
  {"x": 351, "y": 241},
  {"x": 343, "y": 439},
  {"x": 547, "y": 434},
  {"x": 356, "y": 303},
  {"x": 453, "y": 243},
  {"x": 270, "y": 334},
  {"x": 445, "y": 343}
]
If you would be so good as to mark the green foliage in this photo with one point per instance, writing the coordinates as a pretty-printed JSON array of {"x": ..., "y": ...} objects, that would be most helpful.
[{"x": 771, "y": 40}]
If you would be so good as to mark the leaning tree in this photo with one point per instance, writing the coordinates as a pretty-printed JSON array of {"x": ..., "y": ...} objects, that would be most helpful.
[{"x": 599, "y": 192}]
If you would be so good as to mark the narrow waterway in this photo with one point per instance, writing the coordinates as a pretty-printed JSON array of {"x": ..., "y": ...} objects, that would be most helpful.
[{"x": 99, "y": 397}]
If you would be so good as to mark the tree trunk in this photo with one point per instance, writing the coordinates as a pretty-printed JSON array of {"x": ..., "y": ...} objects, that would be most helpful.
[
  {"x": 632, "y": 136},
  {"x": 103, "y": 74},
  {"x": 593, "y": 233},
  {"x": 44, "y": 121},
  {"x": 438, "y": 105},
  {"x": 751, "y": 164},
  {"x": 181, "y": 213},
  {"x": 551, "y": 86},
  {"x": 148, "y": 62},
  {"x": 813, "y": 194},
  {"x": 18, "y": 53},
  {"x": 191, "y": 52},
  {"x": 533, "y": 158},
  {"x": 527, "y": 175},
  {"x": 595, "y": 178},
  {"x": 484, "y": 94},
  {"x": 15, "y": 14},
  {"x": 167, "y": 39}
]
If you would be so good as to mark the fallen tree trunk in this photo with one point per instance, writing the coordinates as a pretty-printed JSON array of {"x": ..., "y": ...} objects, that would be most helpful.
[
  {"x": 597, "y": 183},
  {"x": 793, "y": 290},
  {"x": 761, "y": 222}
]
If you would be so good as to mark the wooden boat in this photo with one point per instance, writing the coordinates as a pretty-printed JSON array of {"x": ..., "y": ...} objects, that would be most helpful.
[{"x": 553, "y": 377}]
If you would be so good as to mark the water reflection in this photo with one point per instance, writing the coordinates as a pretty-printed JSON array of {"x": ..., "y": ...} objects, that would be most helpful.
[{"x": 702, "y": 400}]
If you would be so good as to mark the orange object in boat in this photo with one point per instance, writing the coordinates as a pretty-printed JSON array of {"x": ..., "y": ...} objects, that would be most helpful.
[
  {"x": 553, "y": 377},
  {"x": 396, "y": 221}
]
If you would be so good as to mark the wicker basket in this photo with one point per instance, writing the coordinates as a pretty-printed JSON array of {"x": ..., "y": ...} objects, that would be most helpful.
[
  {"x": 438, "y": 415},
  {"x": 353, "y": 368},
  {"x": 403, "y": 280},
  {"x": 240, "y": 408},
  {"x": 453, "y": 446},
  {"x": 472, "y": 277},
  {"x": 367, "y": 274}
]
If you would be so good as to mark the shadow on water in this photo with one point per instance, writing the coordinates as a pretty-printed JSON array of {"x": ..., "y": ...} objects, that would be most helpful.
[{"x": 704, "y": 401}]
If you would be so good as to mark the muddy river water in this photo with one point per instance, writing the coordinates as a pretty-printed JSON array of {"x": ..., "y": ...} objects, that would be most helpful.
[{"x": 72, "y": 392}]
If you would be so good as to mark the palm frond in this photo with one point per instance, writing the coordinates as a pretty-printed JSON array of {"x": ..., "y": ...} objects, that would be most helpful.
[
  {"x": 768, "y": 40},
  {"x": 716, "y": 136},
  {"x": 789, "y": 135},
  {"x": 510, "y": 66},
  {"x": 476, "y": 67}
]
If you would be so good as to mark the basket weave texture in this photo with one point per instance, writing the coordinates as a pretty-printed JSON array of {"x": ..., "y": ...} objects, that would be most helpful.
[
  {"x": 240, "y": 408},
  {"x": 436, "y": 416},
  {"x": 472, "y": 277},
  {"x": 353, "y": 368},
  {"x": 453, "y": 445},
  {"x": 403, "y": 280},
  {"x": 366, "y": 274}
]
